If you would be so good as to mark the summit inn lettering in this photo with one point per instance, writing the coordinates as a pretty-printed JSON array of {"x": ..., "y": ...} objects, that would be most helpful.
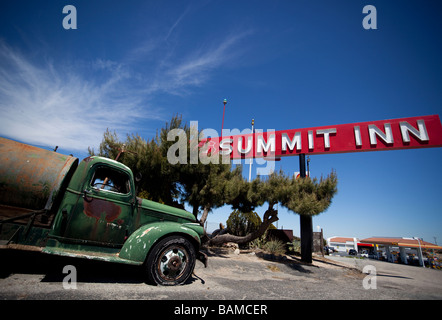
[{"x": 414, "y": 132}]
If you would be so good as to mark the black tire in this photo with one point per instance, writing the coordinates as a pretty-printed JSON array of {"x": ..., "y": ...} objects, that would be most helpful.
[{"x": 171, "y": 261}]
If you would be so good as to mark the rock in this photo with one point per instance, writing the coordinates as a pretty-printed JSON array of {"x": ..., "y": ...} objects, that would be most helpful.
[{"x": 231, "y": 245}]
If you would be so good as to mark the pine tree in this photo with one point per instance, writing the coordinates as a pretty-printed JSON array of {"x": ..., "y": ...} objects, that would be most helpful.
[
  {"x": 309, "y": 196},
  {"x": 306, "y": 197},
  {"x": 207, "y": 185}
]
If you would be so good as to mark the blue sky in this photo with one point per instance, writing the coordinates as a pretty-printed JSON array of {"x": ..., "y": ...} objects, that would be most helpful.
[{"x": 130, "y": 66}]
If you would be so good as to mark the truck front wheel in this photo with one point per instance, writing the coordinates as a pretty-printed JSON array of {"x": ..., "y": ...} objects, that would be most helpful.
[{"x": 171, "y": 261}]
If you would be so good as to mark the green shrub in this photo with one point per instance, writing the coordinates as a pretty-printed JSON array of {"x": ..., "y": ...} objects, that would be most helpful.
[
  {"x": 242, "y": 223},
  {"x": 275, "y": 247},
  {"x": 258, "y": 243},
  {"x": 294, "y": 246}
]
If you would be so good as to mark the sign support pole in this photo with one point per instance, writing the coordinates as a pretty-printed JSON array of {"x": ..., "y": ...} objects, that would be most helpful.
[{"x": 306, "y": 223}]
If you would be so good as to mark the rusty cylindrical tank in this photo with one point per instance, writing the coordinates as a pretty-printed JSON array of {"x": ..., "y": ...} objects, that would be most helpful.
[{"x": 31, "y": 177}]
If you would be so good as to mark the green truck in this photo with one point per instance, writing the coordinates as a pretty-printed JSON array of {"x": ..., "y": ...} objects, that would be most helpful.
[{"x": 54, "y": 204}]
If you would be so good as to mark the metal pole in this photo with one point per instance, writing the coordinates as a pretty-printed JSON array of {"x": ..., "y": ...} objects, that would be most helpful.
[
  {"x": 251, "y": 159},
  {"x": 306, "y": 223},
  {"x": 224, "y": 111},
  {"x": 421, "y": 256},
  {"x": 302, "y": 165}
]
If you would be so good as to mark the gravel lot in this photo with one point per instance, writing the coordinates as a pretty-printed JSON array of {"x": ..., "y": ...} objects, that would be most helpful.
[{"x": 229, "y": 276}]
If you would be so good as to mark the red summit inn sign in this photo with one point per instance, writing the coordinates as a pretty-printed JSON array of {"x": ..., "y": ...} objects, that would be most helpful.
[{"x": 404, "y": 133}]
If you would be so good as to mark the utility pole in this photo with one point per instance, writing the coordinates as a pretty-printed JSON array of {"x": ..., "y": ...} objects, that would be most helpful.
[
  {"x": 306, "y": 223},
  {"x": 224, "y": 111},
  {"x": 251, "y": 159}
]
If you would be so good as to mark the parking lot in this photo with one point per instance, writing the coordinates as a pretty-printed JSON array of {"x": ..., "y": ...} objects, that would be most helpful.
[{"x": 247, "y": 276}]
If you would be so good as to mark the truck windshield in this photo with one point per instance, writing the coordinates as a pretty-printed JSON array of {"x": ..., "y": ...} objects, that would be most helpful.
[{"x": 110, "y": 180}]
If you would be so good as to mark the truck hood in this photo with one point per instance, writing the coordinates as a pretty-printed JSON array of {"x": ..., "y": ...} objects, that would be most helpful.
[{"x": 172, "y": 212}]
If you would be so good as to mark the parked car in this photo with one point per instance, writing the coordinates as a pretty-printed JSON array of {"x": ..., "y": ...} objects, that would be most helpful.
[{"x": 352, "y": 252}]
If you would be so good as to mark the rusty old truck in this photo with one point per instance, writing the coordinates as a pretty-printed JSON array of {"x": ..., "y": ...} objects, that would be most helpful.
[{"x": 55, "y": 204}]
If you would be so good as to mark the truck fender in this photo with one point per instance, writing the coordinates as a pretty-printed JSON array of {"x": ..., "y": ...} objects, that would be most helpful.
[{"x": 140, "y": 242}]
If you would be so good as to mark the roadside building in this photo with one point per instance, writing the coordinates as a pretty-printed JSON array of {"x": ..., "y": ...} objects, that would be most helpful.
[
  {"x": 280, "y": 234},
  {"x": 342, "y": 244},
  {"x": 402, "y": 250},
  {"x": 392, "y": 249}
]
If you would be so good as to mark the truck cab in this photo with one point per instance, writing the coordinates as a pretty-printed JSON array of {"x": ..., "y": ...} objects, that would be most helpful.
[{"x": 54, "y": 204}]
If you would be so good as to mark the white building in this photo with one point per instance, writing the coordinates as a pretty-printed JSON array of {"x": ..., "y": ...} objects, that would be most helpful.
[{"x": 342, "y": 244}]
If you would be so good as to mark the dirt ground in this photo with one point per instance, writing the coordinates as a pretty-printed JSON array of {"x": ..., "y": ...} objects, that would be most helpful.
[{"x": 229, "y": 276}]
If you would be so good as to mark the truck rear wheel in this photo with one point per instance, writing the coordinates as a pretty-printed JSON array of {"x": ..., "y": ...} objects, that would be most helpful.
[{"x": 171, "y": 261}]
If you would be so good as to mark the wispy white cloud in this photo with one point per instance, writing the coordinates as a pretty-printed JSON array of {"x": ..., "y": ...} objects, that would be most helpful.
[
  {"x": 176, "y": 23},
  {"x": 195, "y": 68},
  {"x": 48, "y": 105}
]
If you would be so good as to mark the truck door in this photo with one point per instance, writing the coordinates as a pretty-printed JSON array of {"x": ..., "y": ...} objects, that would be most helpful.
[{"x": 103, "y": 214}]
